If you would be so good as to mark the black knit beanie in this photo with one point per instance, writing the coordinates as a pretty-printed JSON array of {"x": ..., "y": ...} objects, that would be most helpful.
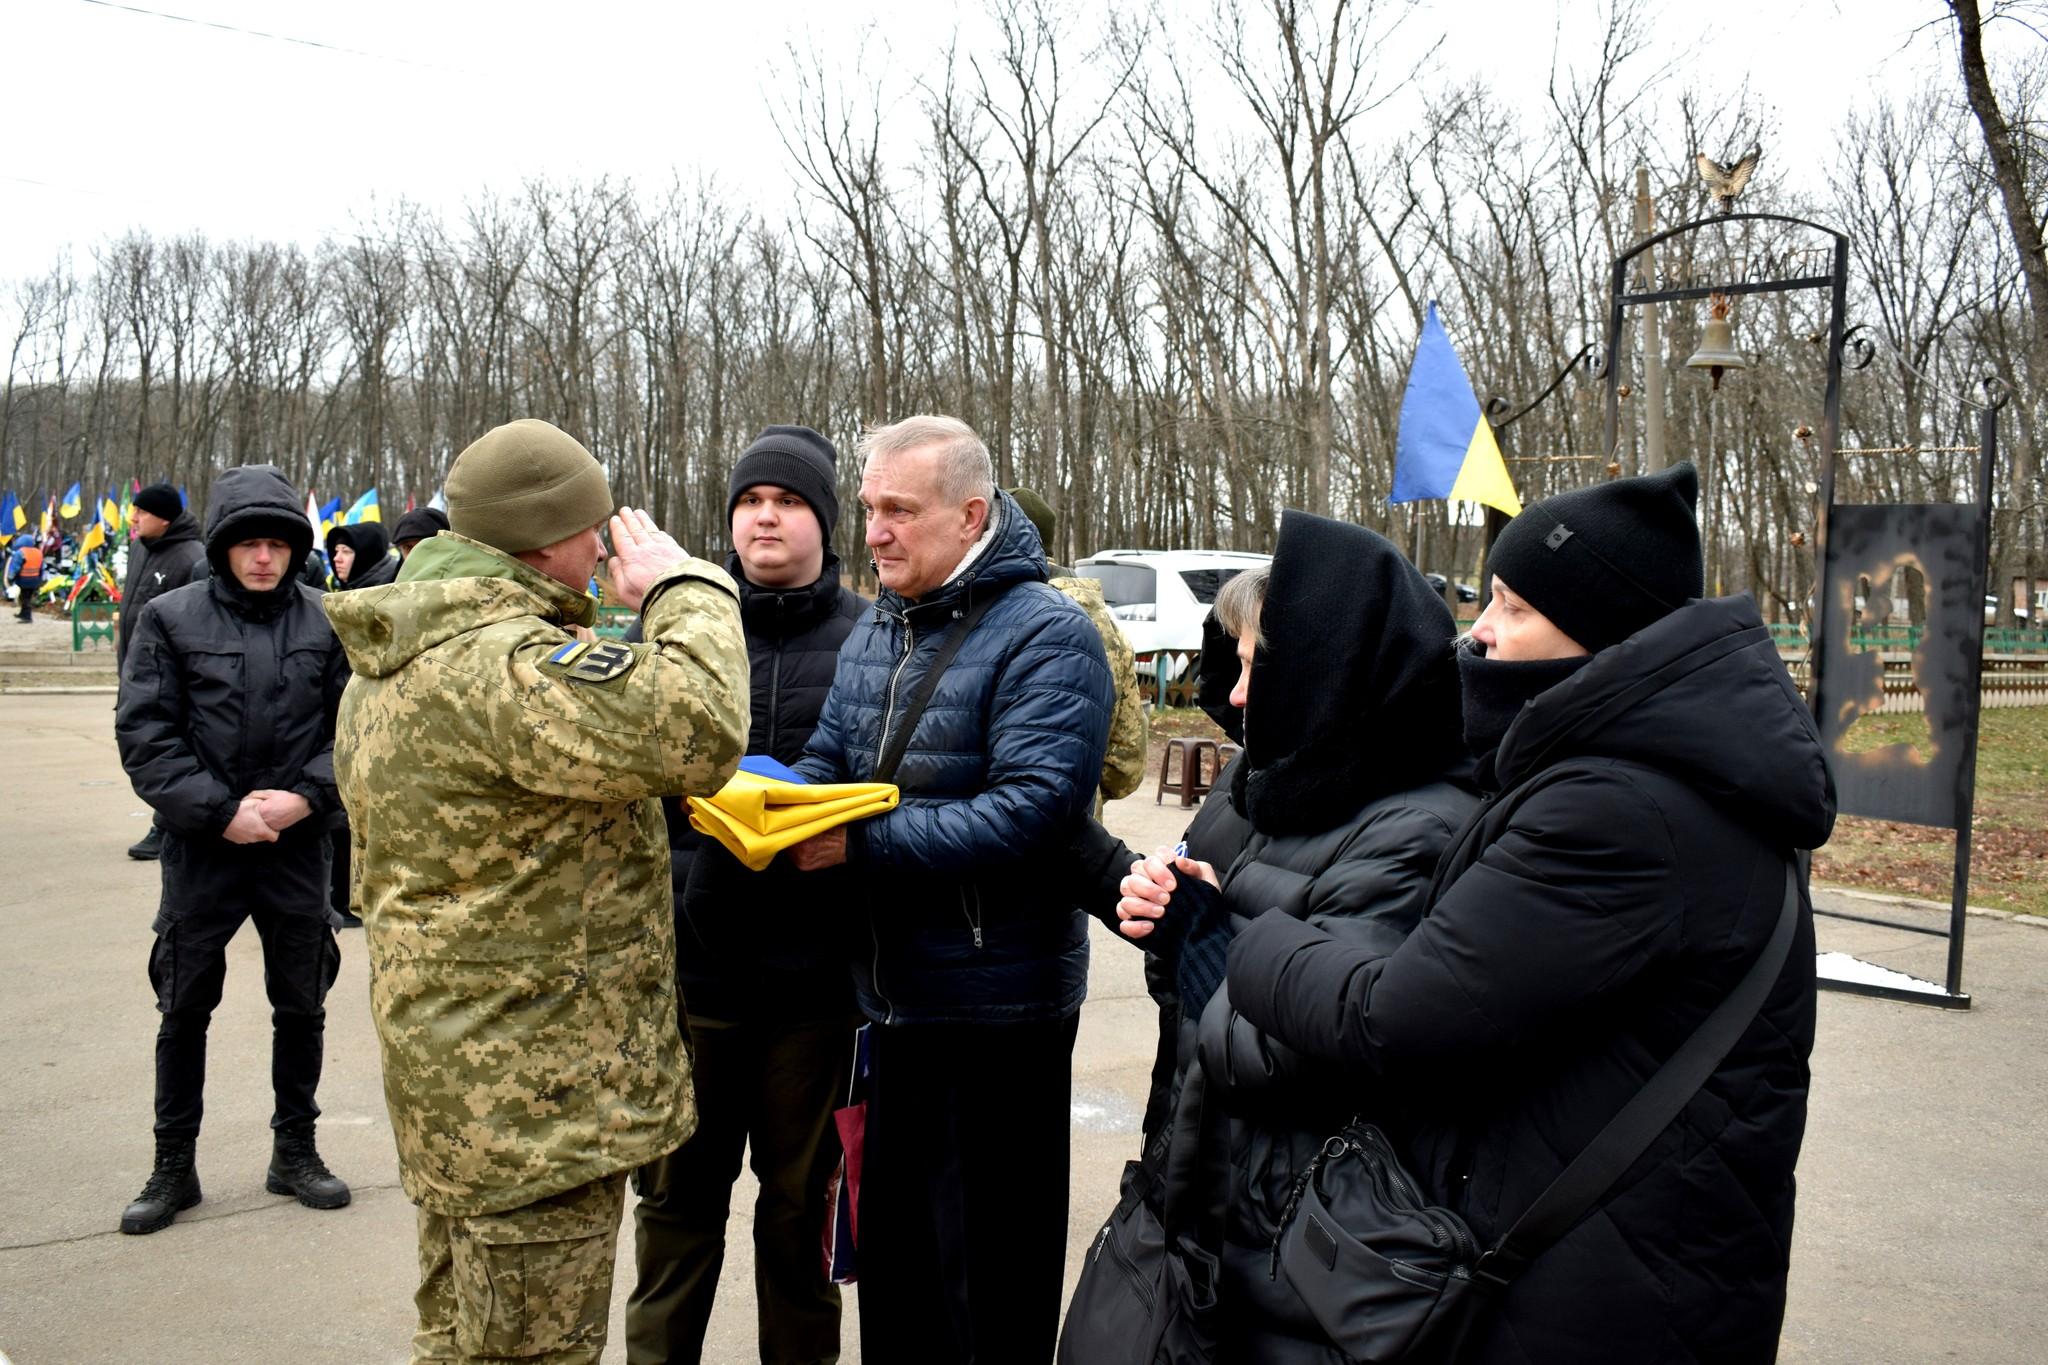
[
  {"x": 1605, "y": 561},
  {"x": 795, "y": 458},
  {"x": 160, "y": 500}
]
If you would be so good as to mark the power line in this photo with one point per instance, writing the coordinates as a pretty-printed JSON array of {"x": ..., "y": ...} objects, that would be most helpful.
[{"x": 259, "y": 33}]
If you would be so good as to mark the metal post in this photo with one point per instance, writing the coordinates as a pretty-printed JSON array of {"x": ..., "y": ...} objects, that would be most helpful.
[{"x": 1966, "y": 774}]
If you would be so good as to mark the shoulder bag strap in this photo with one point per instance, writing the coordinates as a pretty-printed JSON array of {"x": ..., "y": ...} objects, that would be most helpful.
[
  {"x": 899, "y": 736},
  {"x": 1629, "y": 1133}
]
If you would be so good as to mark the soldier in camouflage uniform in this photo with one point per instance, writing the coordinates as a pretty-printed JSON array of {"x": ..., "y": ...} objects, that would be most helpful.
[
  {"x": 501, "y": 774},
  {"x": 1123, "y": 767}
]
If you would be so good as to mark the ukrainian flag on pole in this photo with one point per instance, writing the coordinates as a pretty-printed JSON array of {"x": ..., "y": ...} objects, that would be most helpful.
[
  {"x": 71, "y": 504},
  {"x": 365, "y": 509},
  {"x": 1445, "y": 446}
]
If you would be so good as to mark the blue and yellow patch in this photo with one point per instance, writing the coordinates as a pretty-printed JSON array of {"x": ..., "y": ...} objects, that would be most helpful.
[{"x": 588, "y": 663}]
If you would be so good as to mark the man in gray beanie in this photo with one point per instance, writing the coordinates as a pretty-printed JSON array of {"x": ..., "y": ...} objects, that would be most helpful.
[{"x": 502, "y": 771}]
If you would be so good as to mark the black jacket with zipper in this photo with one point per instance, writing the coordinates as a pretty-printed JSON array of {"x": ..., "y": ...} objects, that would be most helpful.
[
  {"x": 224, "y": 692},
  {"x": 770, "y": 944},
  {"x": 156, "y": 566}
]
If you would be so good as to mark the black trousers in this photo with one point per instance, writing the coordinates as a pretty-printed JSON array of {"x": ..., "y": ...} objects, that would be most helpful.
[
  {"x": 188, "y": 965},
  {"x": 963, "y": 1202},
  {"x": 768, "y": 1089},
  {"x": 29, "y": 588}
]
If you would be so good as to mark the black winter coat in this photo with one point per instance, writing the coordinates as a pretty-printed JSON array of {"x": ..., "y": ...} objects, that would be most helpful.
[
  {"x": 999, "y": 768},
  {"x": 732, "y": 961},
  {"x": 374, "y": 564},
  {"x": 158, "y": 566},
  {"x": 1580, "y": 928},
  {"x": 225, "y": 692}
]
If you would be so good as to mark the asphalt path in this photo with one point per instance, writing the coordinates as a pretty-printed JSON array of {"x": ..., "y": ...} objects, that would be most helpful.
[{"x": 1923, "y": 1215}]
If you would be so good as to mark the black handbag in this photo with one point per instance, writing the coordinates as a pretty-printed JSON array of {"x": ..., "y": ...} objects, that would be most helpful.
[
  {"x": 1147, "y": 1293},
  {"x": 1389, "y": 1277}
]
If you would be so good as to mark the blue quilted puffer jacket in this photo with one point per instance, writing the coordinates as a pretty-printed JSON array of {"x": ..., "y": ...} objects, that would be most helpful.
[{"x": 955, "y": 881}]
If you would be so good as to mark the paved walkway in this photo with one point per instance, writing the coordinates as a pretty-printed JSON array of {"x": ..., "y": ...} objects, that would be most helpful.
[{"x": 1923, "y": 1219}]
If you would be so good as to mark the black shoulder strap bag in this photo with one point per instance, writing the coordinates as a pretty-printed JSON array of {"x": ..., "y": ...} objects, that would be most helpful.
[
  {"x": 897, "y": 739},
  {"x": 1390, "y": 1277}
]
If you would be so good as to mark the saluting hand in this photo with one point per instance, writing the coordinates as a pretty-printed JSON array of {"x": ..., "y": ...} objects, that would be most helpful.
[{"x": 641, "y": 553}]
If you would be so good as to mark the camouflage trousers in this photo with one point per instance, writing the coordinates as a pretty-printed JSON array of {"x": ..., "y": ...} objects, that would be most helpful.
[{"x": 531, "y": 1284}]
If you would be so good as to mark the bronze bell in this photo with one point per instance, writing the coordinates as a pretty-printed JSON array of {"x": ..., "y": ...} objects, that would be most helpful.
[{"x": 1717, "y": 354}]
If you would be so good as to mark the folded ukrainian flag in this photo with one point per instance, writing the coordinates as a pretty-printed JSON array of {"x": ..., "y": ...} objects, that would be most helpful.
[{"x": 766, "y": 808}]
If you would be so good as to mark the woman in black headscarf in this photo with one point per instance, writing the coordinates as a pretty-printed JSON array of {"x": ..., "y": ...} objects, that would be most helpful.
[{"x": 1353, "y": 779}]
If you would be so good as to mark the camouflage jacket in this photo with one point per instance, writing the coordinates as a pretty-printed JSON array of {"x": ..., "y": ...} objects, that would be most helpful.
[
  {"x": 1123, "y": 767},
  {"x": 511, "y": 867}
]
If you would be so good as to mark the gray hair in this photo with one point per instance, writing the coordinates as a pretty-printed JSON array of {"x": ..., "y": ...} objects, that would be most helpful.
[
  {"x": 965, "y": 470},
  {"x": 1243, "y": 601}
]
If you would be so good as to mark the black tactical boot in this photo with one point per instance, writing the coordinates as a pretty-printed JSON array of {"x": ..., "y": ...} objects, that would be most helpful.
[
  {"x": 173, "y": 1187},
  {"x": 296, "y": 1168},
  {"x": 149, "y": 847}
]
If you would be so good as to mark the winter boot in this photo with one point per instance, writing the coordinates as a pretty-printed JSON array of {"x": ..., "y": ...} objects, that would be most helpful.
[
  {"x": 149, "y": 847},
  {"x": 296, "y": 1168},
  {"x": 173, "y": 1187}
]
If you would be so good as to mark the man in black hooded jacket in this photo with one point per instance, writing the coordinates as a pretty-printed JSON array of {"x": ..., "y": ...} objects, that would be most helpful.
[
  {"x": 769, "y": 1004},
  {"x": 167, "y": 554},
  {"x": 226, "y": 727}
]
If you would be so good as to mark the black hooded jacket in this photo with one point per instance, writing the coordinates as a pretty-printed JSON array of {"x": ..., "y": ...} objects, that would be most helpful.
[
  {"x": 374, "y": 565},
  {"x": 1580, "y": 928},
  {"x": 224, "y": 692},
  {"x": 158, "y": 565},
  {"x": 732, "y": 961}
]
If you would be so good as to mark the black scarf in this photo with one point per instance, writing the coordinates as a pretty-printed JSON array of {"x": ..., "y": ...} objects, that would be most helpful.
[{"x": 1495, "y": 692}]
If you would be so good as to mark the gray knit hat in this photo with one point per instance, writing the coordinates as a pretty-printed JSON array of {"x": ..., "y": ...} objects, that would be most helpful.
[{"x": 524, "y": 485}]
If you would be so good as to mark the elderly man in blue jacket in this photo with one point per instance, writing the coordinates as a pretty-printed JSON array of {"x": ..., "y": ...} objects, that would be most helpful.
[{"x": 973, "y": 971}]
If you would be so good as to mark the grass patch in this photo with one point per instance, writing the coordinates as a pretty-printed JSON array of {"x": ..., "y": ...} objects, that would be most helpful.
[{"x": 2009, "y": 839}]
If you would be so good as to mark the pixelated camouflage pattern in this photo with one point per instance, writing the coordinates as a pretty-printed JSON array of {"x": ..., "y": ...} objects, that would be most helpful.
[
  {"x": 1123, "y": 766},
  {"x": 511, "y": 865},
  {"x": 533, "y": 1283}
]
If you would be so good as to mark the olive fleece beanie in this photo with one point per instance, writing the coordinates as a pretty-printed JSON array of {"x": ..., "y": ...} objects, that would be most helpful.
[{"x": 524, "y": 485}]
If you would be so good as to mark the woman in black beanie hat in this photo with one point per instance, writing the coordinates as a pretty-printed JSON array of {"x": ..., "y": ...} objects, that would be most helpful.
[{"x": 1654, "y": 768}]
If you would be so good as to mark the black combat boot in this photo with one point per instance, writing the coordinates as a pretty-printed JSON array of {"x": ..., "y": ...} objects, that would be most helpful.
[
  {"x": 172, "y": 1188},
  {"x": 149, "y": 847},
  {"x": 296, "y": 1168}
]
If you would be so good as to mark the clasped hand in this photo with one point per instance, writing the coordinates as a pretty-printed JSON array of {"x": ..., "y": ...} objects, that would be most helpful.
[
  {"x": 1150, "y": 886},
  {"x": 264, "y": 814}
]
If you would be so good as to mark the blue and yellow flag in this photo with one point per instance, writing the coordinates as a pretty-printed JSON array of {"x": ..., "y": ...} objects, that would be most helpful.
[
  {"x": 365, "y": 509},
  {"x": 110, "y": 513},
  {"x": 1445, "y": 446},
  {"x": 12, "y": 518},
  {"x": 73, "y": 502}
]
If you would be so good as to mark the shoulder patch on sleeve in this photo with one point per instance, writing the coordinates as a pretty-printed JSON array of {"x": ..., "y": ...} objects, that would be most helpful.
[{"x": 586, "y": 663}]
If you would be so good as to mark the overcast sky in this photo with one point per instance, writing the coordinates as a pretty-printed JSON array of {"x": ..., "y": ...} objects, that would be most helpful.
[{"x": 116, "y": 119}]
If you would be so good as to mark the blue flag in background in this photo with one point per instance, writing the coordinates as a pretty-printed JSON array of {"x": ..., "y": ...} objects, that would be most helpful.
[{"x": 1445, "y": 446}]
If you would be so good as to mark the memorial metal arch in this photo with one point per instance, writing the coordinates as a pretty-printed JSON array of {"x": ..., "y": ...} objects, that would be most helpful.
[{"x": 1948, "y": 544}]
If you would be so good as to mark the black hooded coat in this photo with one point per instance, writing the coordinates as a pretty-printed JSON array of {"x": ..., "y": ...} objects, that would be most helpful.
[
  {"x": 374, "y": 565},
  {"x": 1353, "y": 780},
  {"x": 226, "y": 691},
  {"x": 157, "y": 566},
  {"x": 1580, "y": 928}
]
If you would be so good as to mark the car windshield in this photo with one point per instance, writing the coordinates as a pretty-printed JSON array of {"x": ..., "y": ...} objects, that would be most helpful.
[
  {"x": 1206, "y": 583},
  {"x": 1123, "y": 585}
]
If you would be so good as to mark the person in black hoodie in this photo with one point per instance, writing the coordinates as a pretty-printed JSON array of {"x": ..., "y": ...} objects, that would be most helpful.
[
  {"x": 1655, "y": 769},
  {"x": 1354, "y": 778},
  {"x": 361, "y": 555},
  {"x": 768, "y": 1003},
  {"x": 362, "y": 558},
  {"x": 167, "y": 554},
  {"x": 226, "y": 727}
]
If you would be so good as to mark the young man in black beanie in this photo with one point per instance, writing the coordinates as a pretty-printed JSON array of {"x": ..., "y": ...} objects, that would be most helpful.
[
  {"x": 770, "y": 1012},
  {"x": 1656, "y": 773}
]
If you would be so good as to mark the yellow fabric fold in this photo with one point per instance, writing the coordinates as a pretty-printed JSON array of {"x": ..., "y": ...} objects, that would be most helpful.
[{"x": 757, "y": 817}]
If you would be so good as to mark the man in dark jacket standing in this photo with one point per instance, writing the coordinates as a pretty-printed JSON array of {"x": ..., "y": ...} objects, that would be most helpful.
[
  {"x": 226, "y": 727},
  {"x": 974, "y": 969},
  {"x": 167, "y": 554},
  {"x": 769, "y": 1006}
]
